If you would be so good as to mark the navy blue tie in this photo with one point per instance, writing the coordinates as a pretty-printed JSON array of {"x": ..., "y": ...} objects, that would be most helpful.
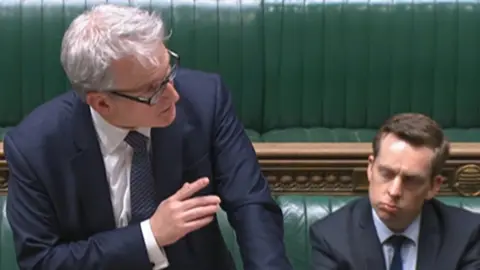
[
  {"x": 397, "y": 242},
  {"x": 142, "y": 191}
]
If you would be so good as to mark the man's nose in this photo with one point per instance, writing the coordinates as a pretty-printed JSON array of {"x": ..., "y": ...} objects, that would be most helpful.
[
  {"x": 395, "y": 188},
  {"x": 170, "y": 93}
]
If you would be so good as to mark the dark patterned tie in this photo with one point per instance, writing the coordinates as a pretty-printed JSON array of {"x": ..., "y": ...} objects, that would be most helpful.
[
  {"x": 397, "y": 242},
  {"x": 142, "y": 191}
]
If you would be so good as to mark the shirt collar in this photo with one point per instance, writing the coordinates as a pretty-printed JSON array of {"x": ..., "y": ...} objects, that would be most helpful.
[
  {"x": 110, "y": 136},
  {"x": 412, "y": 232}
]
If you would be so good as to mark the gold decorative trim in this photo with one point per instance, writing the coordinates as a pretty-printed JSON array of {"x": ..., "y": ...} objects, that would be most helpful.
[
  {"x": 338, "y": 168},
  {"x": 3, "y": 180},
  {"x": 468, "y": 180},
  {"x": 3, "y": 172}
]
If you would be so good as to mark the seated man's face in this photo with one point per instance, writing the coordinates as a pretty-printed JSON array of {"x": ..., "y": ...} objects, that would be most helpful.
[{"x": 400, "y": 180}]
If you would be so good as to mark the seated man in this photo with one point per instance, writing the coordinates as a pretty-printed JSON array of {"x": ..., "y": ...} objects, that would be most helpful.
[
  {"x": 400, "y": 226},
  {"x": 105, "y": 177}
]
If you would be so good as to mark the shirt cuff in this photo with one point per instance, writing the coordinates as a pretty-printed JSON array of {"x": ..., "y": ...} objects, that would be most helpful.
[{"x": 156, "y": 254}]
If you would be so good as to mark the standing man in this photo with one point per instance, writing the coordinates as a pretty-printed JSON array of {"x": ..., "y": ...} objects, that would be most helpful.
[
  {"x": 128, "y": 170},
  {"x": 400, "y": 226}
]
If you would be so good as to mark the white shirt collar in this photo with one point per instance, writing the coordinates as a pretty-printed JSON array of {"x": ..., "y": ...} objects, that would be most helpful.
[
  {"x": 110, "y": 136},
  {"x": 412, "y": 232}
]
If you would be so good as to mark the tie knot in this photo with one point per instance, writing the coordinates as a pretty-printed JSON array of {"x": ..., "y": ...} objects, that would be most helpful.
[
  {"x": 136, "y": 140},
  {"x": 397, "y": 241}
]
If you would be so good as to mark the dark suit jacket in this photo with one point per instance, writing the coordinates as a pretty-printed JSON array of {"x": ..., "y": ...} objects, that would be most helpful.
[
  {"x": 59, "y": 205},
  {"x": 347, "y": 240}
]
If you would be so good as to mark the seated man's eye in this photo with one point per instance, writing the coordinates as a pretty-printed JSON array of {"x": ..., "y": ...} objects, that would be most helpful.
[{"x": 387, "y": 173}]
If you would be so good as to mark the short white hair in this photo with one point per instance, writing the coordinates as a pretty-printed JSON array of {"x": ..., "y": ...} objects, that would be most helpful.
[{"x": 106, "y": 33}]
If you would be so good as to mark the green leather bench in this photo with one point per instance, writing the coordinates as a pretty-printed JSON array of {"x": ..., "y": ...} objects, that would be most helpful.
[
  {"x": 299, "y": 213},
  {"x": 316, "y": 71}
]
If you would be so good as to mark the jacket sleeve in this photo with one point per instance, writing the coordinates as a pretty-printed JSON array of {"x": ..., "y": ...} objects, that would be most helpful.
[
  {"x": 251, "y": 210},
  {"x": 471, "y": 257},
  {"x": 322, "y": 256}
]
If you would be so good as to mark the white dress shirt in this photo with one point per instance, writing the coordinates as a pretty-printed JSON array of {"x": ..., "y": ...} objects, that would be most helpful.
[
  {"x": 117, "y": 156},
  {"x": 409, "y": 249}
]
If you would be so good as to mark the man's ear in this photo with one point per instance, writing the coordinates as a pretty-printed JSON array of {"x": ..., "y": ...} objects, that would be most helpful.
[
  {"x": 437, "y": 182},
  {"x": 371, "y": 160},
  {"x": 99, "y": 102}
]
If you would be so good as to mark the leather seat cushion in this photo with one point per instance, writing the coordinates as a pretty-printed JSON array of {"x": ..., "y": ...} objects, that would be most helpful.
[
  {"x": 299, "y": 213},
  {"x": 302, "y": 211}
]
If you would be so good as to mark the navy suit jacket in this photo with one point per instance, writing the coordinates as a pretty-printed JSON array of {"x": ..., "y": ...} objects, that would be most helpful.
[
  {"x": 59, "y": 205},
  {"x": 347, "y": 240}
]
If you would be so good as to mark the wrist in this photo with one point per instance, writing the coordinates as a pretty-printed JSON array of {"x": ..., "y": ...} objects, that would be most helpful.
[{"x": 155, "y": 232}]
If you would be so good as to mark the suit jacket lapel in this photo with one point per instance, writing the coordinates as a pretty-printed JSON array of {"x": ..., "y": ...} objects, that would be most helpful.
[
  {"x": 89, "y": 172},
  {"x": 366, "y": 246},
  {"x": 429, "y": 240},
  {"x": 167, "y": 157},
  {"x": 167, "y": 167}
]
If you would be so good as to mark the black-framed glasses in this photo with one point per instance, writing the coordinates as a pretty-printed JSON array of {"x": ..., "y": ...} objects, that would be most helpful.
[{"x": 160, "y": 88}]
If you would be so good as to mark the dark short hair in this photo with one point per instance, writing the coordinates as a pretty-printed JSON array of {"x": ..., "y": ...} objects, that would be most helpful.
[{"x": 419, "y": 131}]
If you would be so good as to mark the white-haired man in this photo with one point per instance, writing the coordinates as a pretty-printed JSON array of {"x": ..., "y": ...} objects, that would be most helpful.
[{"x": 128, "y": 170}]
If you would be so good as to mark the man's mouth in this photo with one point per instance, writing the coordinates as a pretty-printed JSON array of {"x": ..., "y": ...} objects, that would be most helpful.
[
  {"x": 166, "y": 109},
  {"x": 390, "y": 207}
]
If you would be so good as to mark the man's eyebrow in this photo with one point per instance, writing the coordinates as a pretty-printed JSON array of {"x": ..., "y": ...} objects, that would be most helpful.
[
  {"x": 414, "y": 175},
  {"x": 167, "y": 69},
  {"x": 408, "y": 174},
  {"x": 385, "y": 167},
  {"x": 152, "y": 82}
]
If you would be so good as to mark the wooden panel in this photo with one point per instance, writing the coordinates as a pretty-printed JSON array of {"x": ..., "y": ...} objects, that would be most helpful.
[{"x": 338, "y": 168}]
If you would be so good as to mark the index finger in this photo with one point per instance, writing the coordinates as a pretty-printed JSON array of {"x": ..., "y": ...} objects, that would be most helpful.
[{"x": 189, "y": 189}]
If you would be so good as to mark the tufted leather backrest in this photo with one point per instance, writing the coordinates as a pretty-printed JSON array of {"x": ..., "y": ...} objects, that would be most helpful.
[
  {"x": 299, "y": 213},
  {"x": 7, "y": 251},
  {"x": 333, "y": 64},
  {"x": 302, "y": 211}
]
